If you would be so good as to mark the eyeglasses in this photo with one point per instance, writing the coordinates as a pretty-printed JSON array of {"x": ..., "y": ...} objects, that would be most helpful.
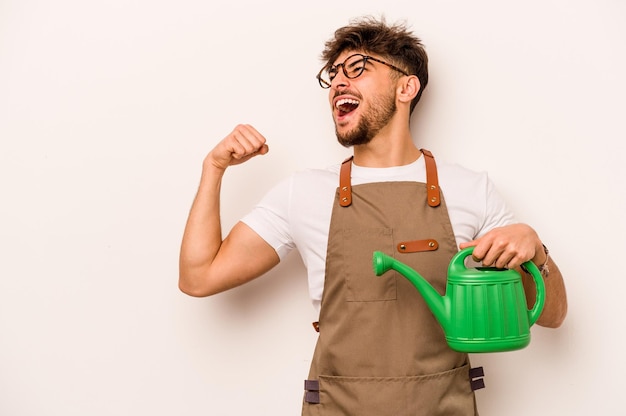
[{"x": 352, "y": 67}]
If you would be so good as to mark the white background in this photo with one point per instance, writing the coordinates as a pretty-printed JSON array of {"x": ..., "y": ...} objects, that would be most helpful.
[{"x": 107, "y": 109}]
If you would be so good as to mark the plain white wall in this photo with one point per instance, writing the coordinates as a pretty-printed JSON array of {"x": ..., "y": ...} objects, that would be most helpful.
[{"x": 107, "y": 109}]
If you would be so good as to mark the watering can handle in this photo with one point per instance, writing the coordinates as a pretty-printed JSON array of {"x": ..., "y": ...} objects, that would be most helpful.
[
  {"x": 458, "y": 262},
  {"x": 540, "y": 299}
]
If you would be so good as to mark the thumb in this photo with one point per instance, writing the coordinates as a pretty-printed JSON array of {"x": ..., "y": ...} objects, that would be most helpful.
[
  {"x": 467, "y": 244},
  {"x": 263, "y": 150},
  {"x": 475, "y": 255}
]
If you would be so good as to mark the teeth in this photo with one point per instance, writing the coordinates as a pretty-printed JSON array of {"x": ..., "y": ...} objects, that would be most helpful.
[{"x": 344, "y": 101}]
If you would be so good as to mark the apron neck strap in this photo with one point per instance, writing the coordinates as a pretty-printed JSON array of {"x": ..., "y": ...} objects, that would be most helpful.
[
  {"x": 432, "y": 181},
  {"x": 345, "y": 188}
]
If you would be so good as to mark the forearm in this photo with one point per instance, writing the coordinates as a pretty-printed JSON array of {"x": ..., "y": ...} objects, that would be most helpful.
[
  {"x": 202, "y": 237},
  {"x": 555, "y": 308}
]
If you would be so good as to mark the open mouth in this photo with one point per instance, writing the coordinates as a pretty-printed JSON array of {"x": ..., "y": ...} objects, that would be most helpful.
[{"x": 346, "y": 106}]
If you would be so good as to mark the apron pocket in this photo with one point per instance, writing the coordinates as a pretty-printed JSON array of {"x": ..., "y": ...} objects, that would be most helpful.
[
  {"x": 446, "y": 393},
  {"x": 362, "y": 284}
]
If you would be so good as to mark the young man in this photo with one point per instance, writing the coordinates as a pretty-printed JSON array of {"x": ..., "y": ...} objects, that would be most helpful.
[{"x": 380, "y": 350}]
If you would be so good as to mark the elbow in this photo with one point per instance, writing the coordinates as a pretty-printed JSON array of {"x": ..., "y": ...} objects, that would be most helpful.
[
  {"x": 191, "y": 291},
  {"x": 192, "y": 286},
  {"x": 553, "y": 318},
  {"x": 560, "y": 317},
  {"x": 550, "y": 323}
]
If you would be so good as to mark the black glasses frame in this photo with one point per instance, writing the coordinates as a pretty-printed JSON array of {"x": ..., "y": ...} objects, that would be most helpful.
[{"x": 326, "y": 84}]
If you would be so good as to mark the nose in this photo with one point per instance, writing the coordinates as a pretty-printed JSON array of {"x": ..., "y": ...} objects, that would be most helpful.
[{"x": 340, "y": 81}]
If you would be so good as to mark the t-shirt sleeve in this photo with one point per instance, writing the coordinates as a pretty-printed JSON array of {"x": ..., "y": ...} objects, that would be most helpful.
[
  {"x": 497, "y": 212},
  {"x": 270, "y": 218},
  {"x": 474, "y": 205}
]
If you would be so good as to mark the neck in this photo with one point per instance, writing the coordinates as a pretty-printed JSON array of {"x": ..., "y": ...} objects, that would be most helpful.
[{"x": 391, "y": 147}]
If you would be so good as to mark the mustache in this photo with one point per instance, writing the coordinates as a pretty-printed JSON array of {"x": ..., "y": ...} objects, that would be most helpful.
[{"x": 346, "y": 92}]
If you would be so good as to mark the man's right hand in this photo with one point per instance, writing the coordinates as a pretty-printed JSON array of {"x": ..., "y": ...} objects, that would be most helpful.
[{"x": 243, "y": 143}]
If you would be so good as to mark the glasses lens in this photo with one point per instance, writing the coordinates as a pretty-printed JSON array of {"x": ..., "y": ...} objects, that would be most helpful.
[
  {"x": 352, "y": 68},
  {"x": 326, "y": 76},
  {"x": 354, "y": 65}
]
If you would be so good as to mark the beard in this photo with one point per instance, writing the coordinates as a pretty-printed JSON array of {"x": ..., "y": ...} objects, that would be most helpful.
[{"x": 371, "y": 123}]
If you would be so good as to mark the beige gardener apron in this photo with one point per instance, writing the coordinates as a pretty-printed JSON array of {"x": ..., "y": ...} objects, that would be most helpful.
[{"x": 380, "y": 351}]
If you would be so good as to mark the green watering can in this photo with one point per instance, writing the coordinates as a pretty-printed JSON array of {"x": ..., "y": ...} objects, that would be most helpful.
[{"x": 484, "y": 308}]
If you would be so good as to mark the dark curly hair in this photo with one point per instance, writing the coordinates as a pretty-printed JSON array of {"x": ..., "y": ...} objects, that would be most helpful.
[{"x": 392, "y": 42}]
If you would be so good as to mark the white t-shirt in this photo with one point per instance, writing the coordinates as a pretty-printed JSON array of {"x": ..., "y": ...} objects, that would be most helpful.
[{"x": 296, "y": 212}]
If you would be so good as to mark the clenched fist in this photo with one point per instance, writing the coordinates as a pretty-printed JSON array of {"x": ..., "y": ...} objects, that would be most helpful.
[{"x": 243, "y": 143}]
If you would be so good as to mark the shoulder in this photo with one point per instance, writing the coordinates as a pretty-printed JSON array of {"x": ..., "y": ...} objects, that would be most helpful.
[
  {"x": 468, "y": 189},
  {"x": 455, "y": 176},
  {"x": 474, "y": 204},
  {"x": 307, "y": 180},
  {"x": 312, "y": 179},
  {"x": 302, "y": 190}
]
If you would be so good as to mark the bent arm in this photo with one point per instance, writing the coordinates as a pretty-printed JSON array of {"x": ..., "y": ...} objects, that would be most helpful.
[
  {"x": 208, "y": 264},
  {"x": 241, "y": 257},
  {"x": 512, "y": 245},
  {"x": 555, "y": 307}
]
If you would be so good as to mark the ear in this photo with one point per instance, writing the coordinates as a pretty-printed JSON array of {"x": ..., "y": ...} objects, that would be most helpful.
[{"x": 408, "y": 87}]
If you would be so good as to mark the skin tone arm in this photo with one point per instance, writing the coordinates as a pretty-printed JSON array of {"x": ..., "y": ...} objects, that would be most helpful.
[
  {"x": 512, "y": 245},
  {"x": 208, "y": 264}
]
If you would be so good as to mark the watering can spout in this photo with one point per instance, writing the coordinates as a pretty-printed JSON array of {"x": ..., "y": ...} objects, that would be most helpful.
[{"x": 437, "y": 303}]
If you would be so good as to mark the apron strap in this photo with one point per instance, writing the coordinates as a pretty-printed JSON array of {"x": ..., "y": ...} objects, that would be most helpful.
[
  {"x": 312, "y": 391},
  {"x": 345, "y": 188},
  {"x": 476, "y": 381},
  {"x": 432, "y": 181}
]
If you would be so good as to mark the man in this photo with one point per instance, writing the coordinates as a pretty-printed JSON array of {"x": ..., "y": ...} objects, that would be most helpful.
[{"x": 379, "y": 351}]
